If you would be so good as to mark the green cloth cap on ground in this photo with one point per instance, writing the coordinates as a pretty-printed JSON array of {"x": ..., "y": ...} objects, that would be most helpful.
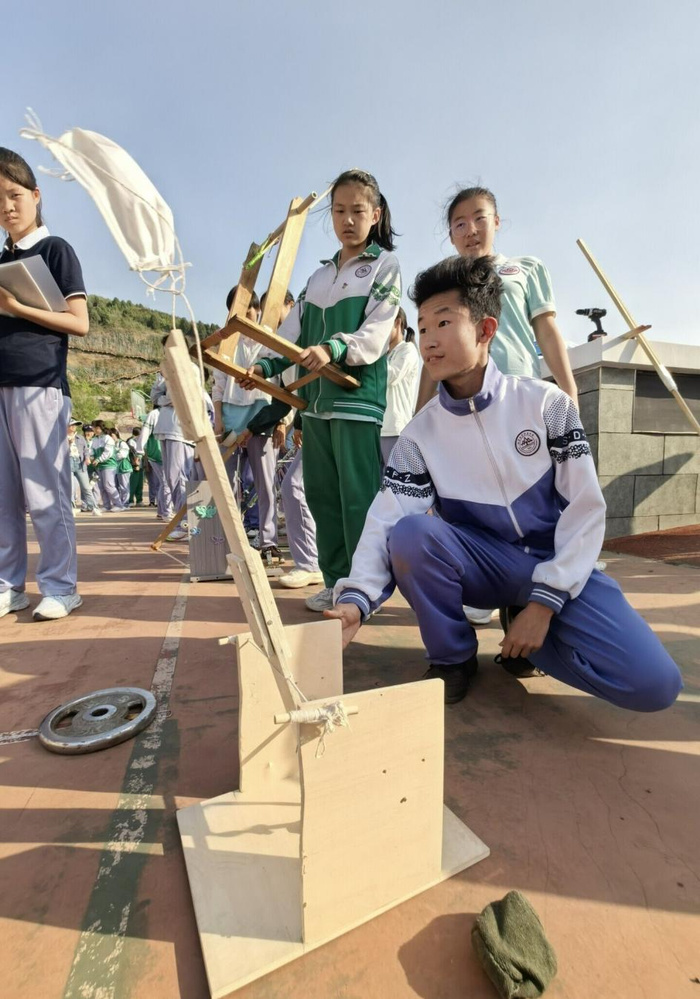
[{"x": 510, "y": 943}]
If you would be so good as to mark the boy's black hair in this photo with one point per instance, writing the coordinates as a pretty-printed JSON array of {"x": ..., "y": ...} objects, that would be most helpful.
[
  {"x": 476, "y": 281},
  {"x": 382, "y": 233},
  {"x": 254, "y": 300}
]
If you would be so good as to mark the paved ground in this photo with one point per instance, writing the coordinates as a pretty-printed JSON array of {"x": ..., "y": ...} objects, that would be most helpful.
[{"x": 591, "y": 811}]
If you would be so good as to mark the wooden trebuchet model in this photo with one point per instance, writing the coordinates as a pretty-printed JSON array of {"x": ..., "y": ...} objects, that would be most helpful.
[{"x": 340, "y": 812}]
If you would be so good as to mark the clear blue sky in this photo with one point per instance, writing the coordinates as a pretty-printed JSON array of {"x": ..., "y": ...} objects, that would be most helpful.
[{"x": 582, "y": 117}]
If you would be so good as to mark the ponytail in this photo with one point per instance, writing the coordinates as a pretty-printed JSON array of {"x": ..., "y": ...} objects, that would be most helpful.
[{"x": 382, "y": 232}]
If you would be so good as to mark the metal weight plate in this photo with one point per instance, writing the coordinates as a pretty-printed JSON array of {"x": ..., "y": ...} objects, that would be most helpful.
[{"x": 98, "y": 720}]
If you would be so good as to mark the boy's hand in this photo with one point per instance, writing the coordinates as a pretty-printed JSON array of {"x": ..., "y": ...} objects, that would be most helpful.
[
  {"x": 244, "y": 437},
  {"x": 315, "y": 358},
  {"x": 296, "y": 437},
  {"x": 278, "y": 437},
  {"x": 350, "y": 618},
  {"x": 527, "y": 632},
  {"x": 245, "y": 381}
]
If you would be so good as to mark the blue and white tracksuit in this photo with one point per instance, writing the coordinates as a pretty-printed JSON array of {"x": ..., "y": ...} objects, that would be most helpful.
[{"x": 520, "y": 518}]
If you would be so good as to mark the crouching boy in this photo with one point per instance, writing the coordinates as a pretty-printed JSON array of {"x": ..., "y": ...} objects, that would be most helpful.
[{"x": 504, "y": 464}]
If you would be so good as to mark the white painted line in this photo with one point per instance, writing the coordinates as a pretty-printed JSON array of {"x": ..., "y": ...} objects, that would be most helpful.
[
  {"x": 96, "y": 961},
  {"x": 7, "y": 738}
]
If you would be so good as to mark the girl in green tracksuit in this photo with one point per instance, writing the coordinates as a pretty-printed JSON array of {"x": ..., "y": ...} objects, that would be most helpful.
[{"x": 345, "y": 315}]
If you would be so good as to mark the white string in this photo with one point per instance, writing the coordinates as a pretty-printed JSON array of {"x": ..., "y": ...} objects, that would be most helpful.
[{"x": 330, "y": 716}]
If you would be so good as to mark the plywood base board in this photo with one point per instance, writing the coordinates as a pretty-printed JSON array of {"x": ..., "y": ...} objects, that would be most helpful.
[{"x": 243, "y": 865}]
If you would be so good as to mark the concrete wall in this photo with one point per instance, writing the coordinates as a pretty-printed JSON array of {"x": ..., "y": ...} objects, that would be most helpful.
[{"x": 650, "y": 482}]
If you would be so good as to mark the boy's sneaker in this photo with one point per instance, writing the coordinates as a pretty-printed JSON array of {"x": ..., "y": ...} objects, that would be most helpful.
[
  {"x": 477, "y": 616},
  {"x": 12, "y": 601},
  {"x": 96, "y": 512},
  {"x": 456, "y": 678},
  {"x": 271, "y": 555},
  {"x": 515, "y": 665},
  {"x": 321, "y": 601},
  {"x": 300, "y": 577},
  {"x": 52, "y": 608}
]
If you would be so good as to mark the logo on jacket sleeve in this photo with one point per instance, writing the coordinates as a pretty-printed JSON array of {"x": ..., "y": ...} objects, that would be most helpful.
[
  {"x": 363, "y": 271},
  {"x": 527, "y": 442},
  {"x": 509, "y": 269}
]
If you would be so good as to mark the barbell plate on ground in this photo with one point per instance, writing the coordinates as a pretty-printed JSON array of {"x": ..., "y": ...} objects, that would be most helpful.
[{"x": 98, "y": 720}]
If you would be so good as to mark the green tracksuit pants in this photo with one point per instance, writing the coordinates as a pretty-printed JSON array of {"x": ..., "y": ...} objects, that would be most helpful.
[{"x": 342, "y": 463}]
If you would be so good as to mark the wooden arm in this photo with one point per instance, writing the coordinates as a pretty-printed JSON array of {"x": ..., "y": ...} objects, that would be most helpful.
[{"x": 236, "y": 371}]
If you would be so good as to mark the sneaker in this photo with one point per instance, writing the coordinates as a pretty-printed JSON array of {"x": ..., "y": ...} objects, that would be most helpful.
[
  {"x": 177, "y": 535},
  {"x": 96, "y": 512},
  {"x": 456, "y": 678},
  {"x": 252, "y": 532},
  {"x": 515, "y": 665},
  {"x": 76, "y": 511},
  {"x": 300, "y": 577},
  {"x": 12, "y": 601},
  {"x": 477, "y": 616},
  {"x": 271, "y": 555},
  {"x": 321, "y": 601},
  {"x": 51, "y": 608},
  {"x": 159, "y": 516}
]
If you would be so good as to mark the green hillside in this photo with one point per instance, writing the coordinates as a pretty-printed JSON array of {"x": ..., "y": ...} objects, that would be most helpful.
[{"x": 121, "y": 352}]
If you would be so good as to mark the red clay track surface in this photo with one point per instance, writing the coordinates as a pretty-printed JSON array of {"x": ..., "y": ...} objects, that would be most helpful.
[
  {"x": 681, "y": 544},
  {"x": 591, "y": 811}
]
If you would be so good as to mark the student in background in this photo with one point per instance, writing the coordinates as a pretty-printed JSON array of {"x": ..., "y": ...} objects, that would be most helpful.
[
  {"x": 79, "y": 450},
  {"x": 148, "y": 445},
  {"x": 103, "y": 460},
  {"x": 123, "y": 456},
  {"x": 137, "y": 471},
  {"x": 177, "y": 451},
  {"x": 35, "y": 407},
  {"x": 235, "y": 409},
  {"x": 401, "y": 384}
]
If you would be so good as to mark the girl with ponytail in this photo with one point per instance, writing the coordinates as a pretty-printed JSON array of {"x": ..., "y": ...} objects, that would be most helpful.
[{"x": 345, "y": 315}]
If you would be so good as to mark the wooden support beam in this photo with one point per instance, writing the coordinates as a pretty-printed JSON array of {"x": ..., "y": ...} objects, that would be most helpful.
[
  {"x": 292, "y": 228},
  {"x": 236, "y": 371},
  {"x": 289, "y": 350},
  {"x": 661, "y": 370}
]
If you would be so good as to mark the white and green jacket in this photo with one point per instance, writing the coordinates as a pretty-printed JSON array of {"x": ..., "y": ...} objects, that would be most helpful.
[{"x": 350, "y": 310}]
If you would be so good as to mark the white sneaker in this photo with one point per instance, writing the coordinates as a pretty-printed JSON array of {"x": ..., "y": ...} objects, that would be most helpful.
[
  {"x": 321, "y": 601},
  {"x": 177, "y": 535},
  {"x": 96, "y": 512},
  {"x": 12, "y": 601},
  {"x": 51, "y": 608},
  {"x": 300, "y": 577},
  {"x": 76, "y": 511},
  {"x": 477, "y": 615}
]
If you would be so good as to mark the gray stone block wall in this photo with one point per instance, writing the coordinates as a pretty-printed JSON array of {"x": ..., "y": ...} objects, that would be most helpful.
[{"x": 650, "y": 481}]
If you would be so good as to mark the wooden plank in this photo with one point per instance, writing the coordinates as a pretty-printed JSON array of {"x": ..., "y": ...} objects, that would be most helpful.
[
  {"x": 248, "y": 572},
  {"x": 245, "y": 886},
  {"x": 289, "y": 350},
  {"x": 293, "y": 227},
  {"x": 236, "y": 371},
  {"x": 373, "y": 799},
  {"x": 239, "y": 306},
  {"x": 268, "y": 752}
]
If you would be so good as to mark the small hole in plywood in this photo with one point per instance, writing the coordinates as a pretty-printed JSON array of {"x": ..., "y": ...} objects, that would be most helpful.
[
  {"x": 403, "y": 800},
  {"x": 383, "y": 771}
]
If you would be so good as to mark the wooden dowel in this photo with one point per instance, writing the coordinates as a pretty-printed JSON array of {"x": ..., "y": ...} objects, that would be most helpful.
[
  {"x": 661, "y": 369},
  {"x": 282, "y": 719},
  {"x": 236, "y": 371}
]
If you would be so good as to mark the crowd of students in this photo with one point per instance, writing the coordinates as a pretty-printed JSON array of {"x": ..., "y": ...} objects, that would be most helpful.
[{"x": 486, "y": 498}]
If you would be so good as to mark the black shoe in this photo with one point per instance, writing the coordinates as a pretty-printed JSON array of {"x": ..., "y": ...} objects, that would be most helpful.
[
  {"x": 515, "y": 665},
  {"x": 456, "y": 678},
  {"x": 271, "y": 555}
]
